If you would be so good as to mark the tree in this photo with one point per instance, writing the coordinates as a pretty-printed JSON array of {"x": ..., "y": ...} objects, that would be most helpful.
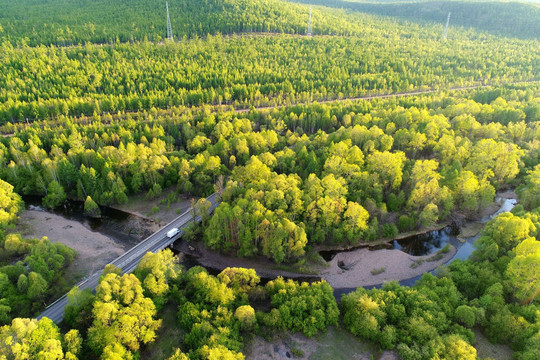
[
  {"x": 178, "y": 355},
  {"x": 156, "y": 271},
  {"x": 429, "y": 215},
  {"x": 465, "y": 315},
  {"x": 91, "y": 208},
  {"x": 363, "y": 316},
  {"x": 32, "y": 339},
  {"x": 37, "y": 286},
  {"x": 502, "y": 234},
  {"x": 355, "y": 220},
  {"x": 220, "y": 352},
  {"x": 303, "y": 307},
  {"x": 122, "y": 315},
  {"x": 523, "y": 270},
  {"x": 55, "y": 195},
  {"x": 10, "y": 204},
  {"x": 492, "y": 159},
  {"x": 387, "y": 168},
  {"x": 246, "y": 315},
  {"x": 529, "y": 195},
  {"x": 239, "y": 279},
  {"x": 78, "y": 311},
  {"x": 458, "y": 349}
]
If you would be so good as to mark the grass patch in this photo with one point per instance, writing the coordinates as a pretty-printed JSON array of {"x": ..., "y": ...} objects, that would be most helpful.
[
  {"x": 487, "y": 350},
  {"x": 338, "y": 344},
  {"x": 440, "y": 254},
  {"x": 314, "y": 258},
  {"x": 435, "y": 257},
  {"x": 168, "y": 337},
  {"x": 417, "y": 263},
  {"x": 301, "y": 267},
  {"x": 378, "y": 271},
  {"x": 444, "y": 250}
]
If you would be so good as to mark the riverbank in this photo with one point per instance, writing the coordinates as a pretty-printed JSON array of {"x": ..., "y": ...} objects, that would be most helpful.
[
  {"x": 363, "y": 267},
  {"x": 351, "y": 269},
  {"x": 94, "y": 250}
]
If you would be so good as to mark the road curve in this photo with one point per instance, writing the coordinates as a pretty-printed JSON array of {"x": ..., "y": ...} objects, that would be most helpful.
[{"x": 129, "y": 260}]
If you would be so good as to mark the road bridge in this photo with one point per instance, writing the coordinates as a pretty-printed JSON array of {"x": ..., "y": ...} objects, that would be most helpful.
[{"x": 128, "y": 261}]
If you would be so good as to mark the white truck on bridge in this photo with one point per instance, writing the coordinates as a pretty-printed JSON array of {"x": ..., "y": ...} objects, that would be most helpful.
[{"x": 171, "y": 233}]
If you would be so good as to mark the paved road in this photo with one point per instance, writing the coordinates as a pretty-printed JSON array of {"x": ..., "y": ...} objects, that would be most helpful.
[{"x": 129, "y": 260}]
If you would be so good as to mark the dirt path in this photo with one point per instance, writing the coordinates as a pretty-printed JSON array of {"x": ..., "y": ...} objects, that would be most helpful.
[{"x": 94, "y": 250}]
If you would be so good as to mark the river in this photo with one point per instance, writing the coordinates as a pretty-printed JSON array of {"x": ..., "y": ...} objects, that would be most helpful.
[{"x": 127, "y": 230}]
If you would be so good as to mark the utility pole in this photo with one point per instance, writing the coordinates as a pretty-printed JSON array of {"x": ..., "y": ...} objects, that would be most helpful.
[
  {"x": 169, "y": 26},
  {"x": 309, "y": 23},
  {"x": 445, "y": 34}
]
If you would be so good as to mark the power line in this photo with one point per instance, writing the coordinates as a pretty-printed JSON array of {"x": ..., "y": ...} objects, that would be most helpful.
[
  {"x": 445, "y": 34},
  {"x": 169, "y": 26},
  {"x": 309, "y": 23}
]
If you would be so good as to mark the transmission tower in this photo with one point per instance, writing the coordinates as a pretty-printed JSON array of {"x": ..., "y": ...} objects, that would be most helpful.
[
  {"x": 445, "y": 35},
  {"x": 169, "y": 26},
  {"x": 309, "y": 23}
]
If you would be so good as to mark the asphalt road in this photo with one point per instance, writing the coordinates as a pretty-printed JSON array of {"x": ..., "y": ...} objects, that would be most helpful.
[{"x": 129, "y": 260}]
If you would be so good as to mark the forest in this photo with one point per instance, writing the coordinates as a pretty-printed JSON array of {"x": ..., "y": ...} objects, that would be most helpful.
[
  {"x": 515, "y": 19},
  {"x": 250, "y": 70},
  {"x": 71, "y": 22},
  {"x": 96, "y": 107},
  {"x": 305, "y": 179},
  {"x": 331, "y": 173}
]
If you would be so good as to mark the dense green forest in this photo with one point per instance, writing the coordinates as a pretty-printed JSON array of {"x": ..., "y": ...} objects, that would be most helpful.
[
  {"x": 46, "y": 81},
  {"x": 302, "y": 175},
  {"x": 68, "y": 22},
  {"x": 95, "y": 106},
  {"x": 31, "y": 270},
  {"x": 494, "y": 290},
  {"x": 504, "y": 18}
]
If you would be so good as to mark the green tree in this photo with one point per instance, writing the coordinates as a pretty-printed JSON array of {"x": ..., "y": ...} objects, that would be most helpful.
[
  {"x": 246, "y": 315},
  {"x": 529, "y": 195},
  {"x": 122, "y": 315},
  {"x": 32, "y": 339},
  {"x": 10, "y": 204},
  {"x": 465, "y": 315},
  {"x": 78, "y": 311},
  {"x": 523, "y": 270},
  {"x": 156, "y": 272},
  {"x": 55, "y": 195},
  {"x": 239, "y": 279},
  {"x": 91, "y": 208}
]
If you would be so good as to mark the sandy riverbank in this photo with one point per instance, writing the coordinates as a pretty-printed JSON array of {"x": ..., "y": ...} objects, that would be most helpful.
[
  {"x": 360, "y": 264},
  {"x": 94, "y": 250},
  {"x": 363, "y": 266}
]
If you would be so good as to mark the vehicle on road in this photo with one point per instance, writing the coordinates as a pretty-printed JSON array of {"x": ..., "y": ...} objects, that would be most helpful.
[{"x": 171, "y": 233}]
